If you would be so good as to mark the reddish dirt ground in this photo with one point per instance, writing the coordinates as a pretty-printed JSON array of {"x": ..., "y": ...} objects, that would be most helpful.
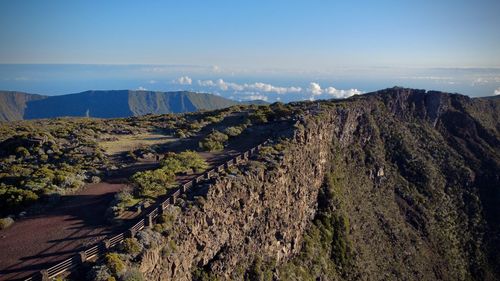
[{"x": 38, "y": 242}]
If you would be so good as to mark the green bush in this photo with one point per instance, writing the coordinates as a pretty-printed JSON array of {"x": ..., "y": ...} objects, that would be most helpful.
[
  {"x": 114, "y": 263},
  {"x": 214, "y": 141},
  {"x": 152, "y": 183},
  {"x": 234, "y": 131},
  {"x": 6, "y": 222},
  {"x": 23, "y": 152},
  {"x": 13, "y": 198},
  {"x": 131, "y": 246},
  {"x": 192, "y": 160}
]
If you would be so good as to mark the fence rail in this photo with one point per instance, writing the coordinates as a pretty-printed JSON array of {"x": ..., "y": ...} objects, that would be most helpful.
[{"x": 105, "y": 245}]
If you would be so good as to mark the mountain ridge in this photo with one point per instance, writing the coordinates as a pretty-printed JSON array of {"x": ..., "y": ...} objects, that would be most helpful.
[{"x": 105, "y": 104}]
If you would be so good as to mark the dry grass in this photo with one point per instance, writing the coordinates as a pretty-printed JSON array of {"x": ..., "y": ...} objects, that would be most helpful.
[{"x": 124, "y": 143}]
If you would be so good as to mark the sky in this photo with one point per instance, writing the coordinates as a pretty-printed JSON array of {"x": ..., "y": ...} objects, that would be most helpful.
[{"x": 55, "y": 47}]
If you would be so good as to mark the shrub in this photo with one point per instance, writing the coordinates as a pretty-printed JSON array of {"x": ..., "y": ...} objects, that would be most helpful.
[
  {"x": 133, "y": 275},
  {"x": 23, "y": 152},
  {"x": 114, "y": 263},
  {"x": 44, "y": 157},
  {"x": 100, "y": 273},
  {"x": 214, "y": 141},
  {"x": 95, "y": 179},
  {"x": 213, "y": 119},
  {"x": 149, "y": 238},
  {"x": 259, "y": 116},
  {"x": 6, "y": 222},
  {"x": 234, "y": 131},
  {"x": 131, "y": 246},
  {"x": 172, "y": 163},
  {"x": 13, "y": 198},
  {"x": 152, "y": 183},
  {"x": 192, "y": 160}
]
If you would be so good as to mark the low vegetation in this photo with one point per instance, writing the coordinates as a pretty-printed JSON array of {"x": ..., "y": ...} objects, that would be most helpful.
[
  {"x": 6, "y": 222},
  {"x": 148, "y": 185},
  {"x": 214, "y": 141}
]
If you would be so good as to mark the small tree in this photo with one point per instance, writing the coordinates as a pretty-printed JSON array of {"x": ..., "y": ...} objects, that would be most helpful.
[
  {"x": 192, "y": 160},
  {"x": 152, "y": 183},
  {"x": 214, "y": 141}
]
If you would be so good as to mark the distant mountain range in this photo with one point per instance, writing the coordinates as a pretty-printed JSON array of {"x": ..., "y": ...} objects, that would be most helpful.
[{"x": 106, "y": 104}]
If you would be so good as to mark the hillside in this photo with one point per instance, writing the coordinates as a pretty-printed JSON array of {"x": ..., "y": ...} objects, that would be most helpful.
[
  {"x": 399, "y": 184},
  {"x": 105, "y": 104},
  {"x": 13, "y": 104}
]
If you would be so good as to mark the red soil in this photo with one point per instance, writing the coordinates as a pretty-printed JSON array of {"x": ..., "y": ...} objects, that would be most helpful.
[{"x": 35, "y": 243}]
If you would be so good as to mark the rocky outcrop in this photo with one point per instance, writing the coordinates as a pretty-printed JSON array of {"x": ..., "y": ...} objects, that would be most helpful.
[
  {"x": 259, "y": 210},
  {"x": 386, "y": 186}
]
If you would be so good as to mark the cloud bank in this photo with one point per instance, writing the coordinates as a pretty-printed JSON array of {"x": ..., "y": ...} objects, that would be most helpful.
[
  {"x": 316, "y": 90},
  {"x": 258, "y": 86},
  {"x": 184, "y": 80}
]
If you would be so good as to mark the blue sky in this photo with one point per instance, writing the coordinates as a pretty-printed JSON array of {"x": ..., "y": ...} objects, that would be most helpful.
[{"x": 251, "y": 40}]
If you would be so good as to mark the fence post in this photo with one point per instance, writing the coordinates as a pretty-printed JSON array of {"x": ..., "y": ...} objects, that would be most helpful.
[
  {"x": 44, "y": 275},
  {"x": 106, "y": 244},
  {"x": 130, "y": 233},
  {"x": 148, "y": 222},
  {"x": 82, "y": 256}
]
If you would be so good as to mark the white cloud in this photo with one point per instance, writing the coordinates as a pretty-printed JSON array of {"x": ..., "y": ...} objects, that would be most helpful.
[
  {"x": 342, "y": 94},
  {"x": 184, "y": 80},
  {"x": 315, "y": 89},
  {"x": 141, "y": 88},
  {"x": 152, "y": 82},
  {"x": 257, "y": 86},
  {"x": 206, "y": 83},
  {"x": 223, "y": 85},
  {"x": 256, "y": 96},
  {"x": 497, "y": 91}
]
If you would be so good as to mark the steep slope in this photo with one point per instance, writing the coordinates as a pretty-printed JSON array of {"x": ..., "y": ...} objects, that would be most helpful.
[
  {"x": 416, "y": 188},
  {"x": 122, "y": 103},
  {"x": 399, "y": 184},
  {"x": 144, "y": 102},
  {"x": 104, "y": 104},
  {"x": 12, "y": 104}
]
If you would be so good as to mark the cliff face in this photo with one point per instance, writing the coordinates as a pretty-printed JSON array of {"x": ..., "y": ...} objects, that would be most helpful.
[
  {"x": 259, "y": 210},
  {"x": 396, "y": 185}
]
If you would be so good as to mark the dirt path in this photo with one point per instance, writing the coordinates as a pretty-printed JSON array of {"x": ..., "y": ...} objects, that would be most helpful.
[{"x": 35, "y": 243}]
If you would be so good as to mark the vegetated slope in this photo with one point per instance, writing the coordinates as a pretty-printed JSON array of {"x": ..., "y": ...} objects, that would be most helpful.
[
  {"x": 103, "y": 104},
  {"x": 400, "y": 184},
  {"x": 12, "y": 104},
  {"x": 413, "y": 194},
  {"x": 106, "y": 104},
  {"x": 144, "y": 102}
]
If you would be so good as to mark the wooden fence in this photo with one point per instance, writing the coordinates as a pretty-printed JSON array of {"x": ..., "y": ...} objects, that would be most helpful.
[{"x": 146, "y": 221}]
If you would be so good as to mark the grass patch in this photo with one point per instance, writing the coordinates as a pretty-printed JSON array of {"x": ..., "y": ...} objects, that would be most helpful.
[{"x": 124, "y": 143}]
